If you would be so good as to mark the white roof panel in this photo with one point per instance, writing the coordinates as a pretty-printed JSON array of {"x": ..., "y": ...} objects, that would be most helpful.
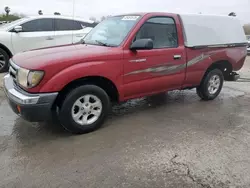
[{"x": 203, "y": 30}]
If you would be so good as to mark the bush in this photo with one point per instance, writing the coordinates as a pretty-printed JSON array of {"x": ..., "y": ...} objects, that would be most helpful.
[{"x": 11, "y": 17}]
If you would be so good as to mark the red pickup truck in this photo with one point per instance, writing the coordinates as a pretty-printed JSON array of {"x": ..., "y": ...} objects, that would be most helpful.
[{"x": 125, "y": 57}]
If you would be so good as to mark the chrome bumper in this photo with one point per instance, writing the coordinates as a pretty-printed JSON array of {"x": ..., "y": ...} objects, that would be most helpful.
[
  {"x": 22, "y": 97},
  {"x": 17, "y": 96},
  {"x": 32, "y": 107}
]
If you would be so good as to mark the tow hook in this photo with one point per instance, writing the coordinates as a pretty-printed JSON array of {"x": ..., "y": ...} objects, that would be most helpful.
[{"x": 233, "y": 76}]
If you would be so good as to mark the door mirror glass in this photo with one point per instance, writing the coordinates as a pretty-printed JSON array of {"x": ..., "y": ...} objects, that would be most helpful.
[
  {"x": 142, "y": 44},
  {"x": 18, "y": 29}
]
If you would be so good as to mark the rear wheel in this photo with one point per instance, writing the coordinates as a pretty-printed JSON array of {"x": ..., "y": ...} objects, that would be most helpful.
[
  {"x": 84, "y": 109},
  {"x": 211, "y": 85},
  {"x": 4, "y": 61}
]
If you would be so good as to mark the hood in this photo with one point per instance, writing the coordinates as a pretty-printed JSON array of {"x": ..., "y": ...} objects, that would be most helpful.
[
  {"x": 2, "y": 28},
  {"x": 64, "y": 56}
]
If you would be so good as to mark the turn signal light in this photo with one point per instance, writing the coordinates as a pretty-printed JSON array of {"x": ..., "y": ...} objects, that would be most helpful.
[{"x": 19, "y": 109}]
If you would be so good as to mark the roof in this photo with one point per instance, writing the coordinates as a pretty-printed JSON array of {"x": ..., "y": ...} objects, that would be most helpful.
[
  {"x": 176, "y": 13},
  {"x": 61, "y": 17},
  {"x": 204, "y": 30}
]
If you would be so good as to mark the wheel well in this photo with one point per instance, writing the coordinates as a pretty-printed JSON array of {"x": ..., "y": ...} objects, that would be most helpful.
[
  {"x": 6, "y": 50},
  {"x": 225, "y": 67},
  {"x": 104, "y": 83}
]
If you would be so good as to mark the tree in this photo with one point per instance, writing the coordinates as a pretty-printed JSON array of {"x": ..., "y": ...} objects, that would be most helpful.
[
  {"x": 7, "y": 10},
  {"x": 10, "y": 17},
  {"x": 40, "y": 12},
  {"x": 232, "y": 14},
  {"x": 57, "y": 13},
  {"x": 21, "y": 15},
  {"x": 103, "y": 18},
  {"x": 92, "y": 18},
  {"x": 247, "y": 29}
]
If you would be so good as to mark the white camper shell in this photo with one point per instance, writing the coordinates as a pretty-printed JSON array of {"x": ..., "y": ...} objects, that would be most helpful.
[{"x": 212, "y": 30}]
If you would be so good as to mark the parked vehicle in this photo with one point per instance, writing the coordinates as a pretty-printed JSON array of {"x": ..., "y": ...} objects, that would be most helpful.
[
  {"x": 40, "y": 32},
  {"x": 248, "y": 44},
  {"x": 122, "y": 58}
]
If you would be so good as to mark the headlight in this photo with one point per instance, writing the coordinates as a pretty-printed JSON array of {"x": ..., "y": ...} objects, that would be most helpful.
[
  {"x": 29, "y": 79},
  {"x": 22, "y": 77}
]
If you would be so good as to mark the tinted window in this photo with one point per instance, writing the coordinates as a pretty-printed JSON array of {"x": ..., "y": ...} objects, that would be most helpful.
[
  {"x": 77, "y": 25},
  {"x": 161, "y": 30},
  {"x": 67, "y": 25},
  {"x": 45, "y": 24}
]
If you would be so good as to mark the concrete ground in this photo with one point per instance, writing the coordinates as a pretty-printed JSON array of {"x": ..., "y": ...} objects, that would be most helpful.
[{"x": 168, "y": 140}]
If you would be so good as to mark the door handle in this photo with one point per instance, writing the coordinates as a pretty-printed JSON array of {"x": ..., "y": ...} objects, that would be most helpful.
[
  {"x": 177, "y": 57},
  {"x": 49, "y": 38},
  {"x": 79, "y": 36}
]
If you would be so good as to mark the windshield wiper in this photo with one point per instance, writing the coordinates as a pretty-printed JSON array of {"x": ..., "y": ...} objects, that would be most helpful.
[{"x": 102, "y": 43}]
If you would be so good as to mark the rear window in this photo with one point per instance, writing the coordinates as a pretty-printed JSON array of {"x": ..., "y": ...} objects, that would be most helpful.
[{"x": 67, "y": 25}]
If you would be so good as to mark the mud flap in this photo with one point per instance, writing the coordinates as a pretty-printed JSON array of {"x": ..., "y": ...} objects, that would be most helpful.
[{"x": 233, "y": 76}]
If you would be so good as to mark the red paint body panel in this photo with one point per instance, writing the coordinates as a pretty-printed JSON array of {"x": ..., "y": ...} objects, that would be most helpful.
[
  {"x": 137, "y": 85},
  {"x": 65, "y": 64},
  {"x": 236, "y": 56}
]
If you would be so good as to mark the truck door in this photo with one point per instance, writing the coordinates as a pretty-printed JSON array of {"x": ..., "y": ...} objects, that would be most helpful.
[{"x": 159, "y": 69}]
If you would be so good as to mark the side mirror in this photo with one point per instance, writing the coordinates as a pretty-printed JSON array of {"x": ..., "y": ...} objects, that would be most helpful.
[
  {"x": 142, "y": 44},
  {"x": 18, "y": 29}
]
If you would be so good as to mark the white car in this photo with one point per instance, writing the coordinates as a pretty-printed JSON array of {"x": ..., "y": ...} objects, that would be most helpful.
[{"x": 40, "y": 32}]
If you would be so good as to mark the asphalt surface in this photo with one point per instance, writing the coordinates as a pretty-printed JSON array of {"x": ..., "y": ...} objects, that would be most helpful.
[{"x": 168, "y": 140}]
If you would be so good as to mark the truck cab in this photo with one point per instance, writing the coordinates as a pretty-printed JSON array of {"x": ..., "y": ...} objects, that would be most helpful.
[{"x": 125, "y": 57}]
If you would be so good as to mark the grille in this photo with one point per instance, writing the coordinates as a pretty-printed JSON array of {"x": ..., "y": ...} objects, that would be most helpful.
[{"x": 13, "y": 70}]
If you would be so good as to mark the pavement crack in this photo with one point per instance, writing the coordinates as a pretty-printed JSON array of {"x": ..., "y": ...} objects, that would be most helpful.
[{"x": 188, "y": 173}]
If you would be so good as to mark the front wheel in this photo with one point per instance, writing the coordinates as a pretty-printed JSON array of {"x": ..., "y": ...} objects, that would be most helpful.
[
  {"x": 4, "y": 61},
  {"x": 84, "y": 109},
  {"x": 211, "y": 85}
]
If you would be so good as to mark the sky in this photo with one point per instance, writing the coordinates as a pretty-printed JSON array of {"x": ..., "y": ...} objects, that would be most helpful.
[{"x": 98, "y": 8}]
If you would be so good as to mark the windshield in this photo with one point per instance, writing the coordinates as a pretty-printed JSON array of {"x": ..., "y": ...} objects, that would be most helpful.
[
  {"x": 12, "y": 23},
  {"x": 112, "y": 31}
]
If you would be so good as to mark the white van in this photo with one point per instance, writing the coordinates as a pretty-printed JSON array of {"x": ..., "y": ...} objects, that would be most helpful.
[{"x": 40, "y": 32}]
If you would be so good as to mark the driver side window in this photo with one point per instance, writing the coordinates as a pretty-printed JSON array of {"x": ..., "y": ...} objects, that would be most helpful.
[{"x": 162, "y": 30}]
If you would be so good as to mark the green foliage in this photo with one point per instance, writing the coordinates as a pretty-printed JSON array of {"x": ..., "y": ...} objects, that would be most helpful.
[
  {"x": 10, "y": 17},
  {"x": 232, "y": 14}
]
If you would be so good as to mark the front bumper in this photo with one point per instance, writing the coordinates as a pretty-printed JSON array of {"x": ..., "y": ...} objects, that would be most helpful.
[
  {"x": 32, "y": 107},
  {"x": 248, "y": 47}
]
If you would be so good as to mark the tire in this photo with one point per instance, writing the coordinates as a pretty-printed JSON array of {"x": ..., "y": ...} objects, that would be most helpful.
[
  {"x": 4, "y": 61},
  {"x": 213, "y": 78},
  {"x": 82, "y": 96}
]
